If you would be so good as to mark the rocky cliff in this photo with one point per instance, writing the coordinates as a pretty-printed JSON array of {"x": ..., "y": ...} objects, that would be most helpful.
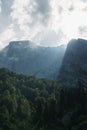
[
  {"x": 26, "y": 58},
  {"x": 74, "y": 65}
]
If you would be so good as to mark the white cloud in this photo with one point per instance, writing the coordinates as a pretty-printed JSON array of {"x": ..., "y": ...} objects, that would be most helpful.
[
  {"x": 30, "y": 15},
  {"x": 7, "y": 36},
  {"x": 83, "y": 31},
  {"x": 37, "y": 20},
  {"x": 70, "y": 18},
  {"x": 38, "y": 16},
  {"x": 27, "y": 11}
]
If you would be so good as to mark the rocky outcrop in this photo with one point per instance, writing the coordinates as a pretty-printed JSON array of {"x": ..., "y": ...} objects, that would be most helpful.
[
  {"x": 25, "y": 57},
  {"x": 74, "y": 65}
]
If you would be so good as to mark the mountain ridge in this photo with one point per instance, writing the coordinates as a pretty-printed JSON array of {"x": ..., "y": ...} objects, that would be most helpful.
[{"x": 28, "y": 59}]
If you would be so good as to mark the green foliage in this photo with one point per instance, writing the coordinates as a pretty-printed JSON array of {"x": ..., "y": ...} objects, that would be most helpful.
[{"x": 31, "y": 103}]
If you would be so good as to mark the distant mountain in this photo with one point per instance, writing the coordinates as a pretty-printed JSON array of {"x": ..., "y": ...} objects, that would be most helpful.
[
  {"x": 74, "y": 67},
  {"x": 26, "y": 58}
]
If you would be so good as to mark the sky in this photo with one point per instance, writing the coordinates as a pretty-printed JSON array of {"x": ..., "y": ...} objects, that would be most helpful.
[{"x": 45, "y": 22}]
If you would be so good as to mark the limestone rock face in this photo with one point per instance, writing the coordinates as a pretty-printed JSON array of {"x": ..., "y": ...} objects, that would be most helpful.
[
  {"x": 25, "y": 57},
  {"x": 74, "y": 65}
]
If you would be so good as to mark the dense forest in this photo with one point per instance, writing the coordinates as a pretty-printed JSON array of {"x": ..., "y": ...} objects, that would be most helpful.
[{"x": 28, "y": 103}]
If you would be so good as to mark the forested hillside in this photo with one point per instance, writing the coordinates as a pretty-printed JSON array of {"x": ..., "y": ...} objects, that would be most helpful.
[{"x": 28, "y": 103}]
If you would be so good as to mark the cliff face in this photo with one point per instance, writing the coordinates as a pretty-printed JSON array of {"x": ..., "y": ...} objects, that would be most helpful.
[
  {"x": 26, "y": 58},
  {"x": 74, "y": 65}
]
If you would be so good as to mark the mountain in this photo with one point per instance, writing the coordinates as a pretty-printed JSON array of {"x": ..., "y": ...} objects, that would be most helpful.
[
  {"x": 26, "y": 58},
  {"x": 74, "y": 66}
]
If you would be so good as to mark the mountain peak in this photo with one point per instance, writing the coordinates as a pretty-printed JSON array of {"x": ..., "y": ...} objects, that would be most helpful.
[
  {"x": 22, "y": 44},
  {"x": 74, "y": 65},
  {"x": 77, "y": 41},
  {"x": 27, "y": 58}
]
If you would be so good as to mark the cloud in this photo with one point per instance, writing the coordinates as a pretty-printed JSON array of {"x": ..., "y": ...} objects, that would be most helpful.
[
  {"x": 41, "y": 11},
  {"x": 30, "y": 14},
  {"x": 6, "y": 7},
  {"x": 82, "y": 31},
  {"x": 84, "y": 0},
  {"x": 31, "y": 10},
  {"x": 5, "y": 19},
  {"x": 7, "y": 36},
  {"x": 47, "y": 38},
  {"x": 70, "y": 19},
  {"x": 0, "y": 6},
  {"x": 48, "y": 22}
]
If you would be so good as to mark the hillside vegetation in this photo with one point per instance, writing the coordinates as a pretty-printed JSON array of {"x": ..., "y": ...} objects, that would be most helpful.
[{"x": 28, "y": 103}]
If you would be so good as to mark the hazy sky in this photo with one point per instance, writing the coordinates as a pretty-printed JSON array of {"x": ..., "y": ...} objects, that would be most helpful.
[{"x": 46, "y": 22}]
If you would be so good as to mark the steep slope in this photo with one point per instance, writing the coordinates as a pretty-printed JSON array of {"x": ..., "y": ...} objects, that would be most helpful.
[
  {"x": 74, "y": 66},
  {"x": 29, "y": 103},
  {"x": 23, "y": 57}
]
